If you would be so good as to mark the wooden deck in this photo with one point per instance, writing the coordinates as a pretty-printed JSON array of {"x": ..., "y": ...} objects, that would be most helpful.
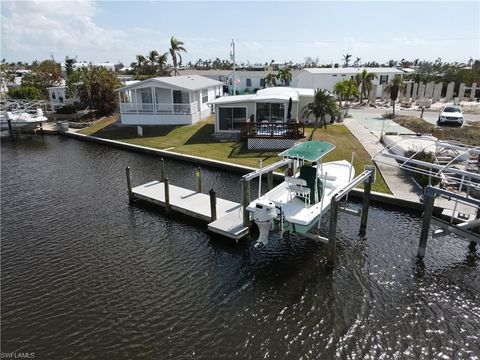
[{"x": 229, "y": 221}]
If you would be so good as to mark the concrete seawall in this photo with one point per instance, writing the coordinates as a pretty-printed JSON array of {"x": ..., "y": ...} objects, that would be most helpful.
[{"x": 379, "y": 198}]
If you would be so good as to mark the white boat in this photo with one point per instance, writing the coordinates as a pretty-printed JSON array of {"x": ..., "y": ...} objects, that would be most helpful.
[
  {"x": 22, "y": 120},
  {"x": 298, "y": 203}
]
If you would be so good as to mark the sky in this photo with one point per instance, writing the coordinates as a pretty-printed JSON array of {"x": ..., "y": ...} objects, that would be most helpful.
[{"x": 116, "y": 31}]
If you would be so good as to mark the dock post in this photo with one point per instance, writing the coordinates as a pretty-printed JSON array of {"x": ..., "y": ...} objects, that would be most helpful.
[
  {"x": 129, "y": 185},
  {"x": 473, "y": 245},
  {"x": 167, "y": 196},
  {"x": 332, "y": 233},
  {"x": 427, "y": 217},
  {"x": 367, "y": 187},
  {"x": 270, "y": 180},
  {"x": 10, "y": 129},
  {"x": 245, "y": 201},
  {"x": 198, "y": 174},
  {"x": 213, "y": 204},
  {"x": 162, "y": 170}
]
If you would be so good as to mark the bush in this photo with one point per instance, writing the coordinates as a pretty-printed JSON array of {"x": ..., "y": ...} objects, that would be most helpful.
[
  {"x": 246, "y": 91},
  {"x": 67, "y": 109},
  {"x": 255, "y": 90},
  {"x": 25, "y": 92},
  {"x": 422, "y": 179}
]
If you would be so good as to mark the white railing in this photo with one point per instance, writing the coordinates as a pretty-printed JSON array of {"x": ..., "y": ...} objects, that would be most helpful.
[{"x": 160, "y": 109}]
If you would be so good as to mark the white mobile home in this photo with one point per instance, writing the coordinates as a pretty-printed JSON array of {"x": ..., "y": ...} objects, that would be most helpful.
[
  {"x": 326, "y": 78},
  {"x": 179, "y": 100}
]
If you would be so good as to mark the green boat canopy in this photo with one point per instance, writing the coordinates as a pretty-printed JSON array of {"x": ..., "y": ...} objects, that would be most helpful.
[{"x": 308, "y": 151}]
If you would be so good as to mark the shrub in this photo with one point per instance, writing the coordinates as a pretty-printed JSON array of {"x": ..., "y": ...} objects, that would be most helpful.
[
  {"x": 25, "y": 92},
  {"x": 422, "y": 179},
  {"x": 67, "y": 109}
]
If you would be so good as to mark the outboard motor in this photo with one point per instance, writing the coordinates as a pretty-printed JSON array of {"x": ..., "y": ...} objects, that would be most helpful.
[{"x": 263, "y": 216}]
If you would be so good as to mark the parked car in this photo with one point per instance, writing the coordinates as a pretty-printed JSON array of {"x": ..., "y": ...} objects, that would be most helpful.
[{"x": 450, "y": 115}]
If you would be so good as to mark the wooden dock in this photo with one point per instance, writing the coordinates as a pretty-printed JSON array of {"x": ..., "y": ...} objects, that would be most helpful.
[{"x": 229, "y": 214}]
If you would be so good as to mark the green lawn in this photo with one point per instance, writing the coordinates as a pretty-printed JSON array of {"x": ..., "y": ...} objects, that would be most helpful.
[
  {"x": 99, "y": 125},
  {"x": 197, "y": 140}
]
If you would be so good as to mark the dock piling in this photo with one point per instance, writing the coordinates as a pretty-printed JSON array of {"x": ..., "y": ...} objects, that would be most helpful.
[
  {"x": 427, "y": 217},
  {"x": 332, "y": 234},
  {"x": 129, "y": 185},
  {"x": 367, "y": 187},
  {"x": 213, "y": 204},
  {"x": 10, "y": 129},
  {"x": 162, "y": 170},
  {"x": 167, "y": 196},
  {"x": 245, "y": 201},
  {"x": 270, "y": 180},
  {"x": 198, "y": 174}
]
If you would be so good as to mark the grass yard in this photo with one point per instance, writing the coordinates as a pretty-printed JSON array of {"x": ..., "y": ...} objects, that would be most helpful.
[
  {"x": 99, "y": 125},
  {"x": 197, "y": 140}
]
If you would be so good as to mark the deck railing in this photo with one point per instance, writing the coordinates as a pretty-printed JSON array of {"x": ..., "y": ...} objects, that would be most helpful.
[
  {"x": 160, "y": 109},
  {"x": 273, "y": 130}
]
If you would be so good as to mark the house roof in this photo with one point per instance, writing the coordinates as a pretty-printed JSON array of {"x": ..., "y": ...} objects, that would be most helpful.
[
  {"x": 187, "y": 82},
  {"x": 272, "y": 94},
  {"x": 211, "y": 72},
  {"x": 352, "y": 70}
]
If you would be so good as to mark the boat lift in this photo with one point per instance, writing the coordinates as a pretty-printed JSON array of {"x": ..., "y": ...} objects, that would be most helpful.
[
  {"x": 367, "y": 177},
  {"x": 457, "y": 167}
]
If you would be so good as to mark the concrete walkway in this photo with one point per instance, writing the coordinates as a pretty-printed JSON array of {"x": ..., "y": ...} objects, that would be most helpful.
[{"x": 395, "y": 179}]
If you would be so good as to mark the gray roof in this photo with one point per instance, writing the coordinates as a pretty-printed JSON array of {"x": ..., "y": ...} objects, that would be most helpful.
[
  {"x": 204, "y": 72},
  {"x": 187, "y": 82},
  {"x": 353, "y": 70}
]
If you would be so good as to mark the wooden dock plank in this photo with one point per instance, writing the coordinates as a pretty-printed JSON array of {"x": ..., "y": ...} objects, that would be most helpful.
[{"x": 229, "y": 214}]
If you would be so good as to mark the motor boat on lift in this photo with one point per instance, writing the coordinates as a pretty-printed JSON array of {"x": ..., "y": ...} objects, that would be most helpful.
[
  {"x": 21, "y": 120},
  {"x": 298, "y": 203}
]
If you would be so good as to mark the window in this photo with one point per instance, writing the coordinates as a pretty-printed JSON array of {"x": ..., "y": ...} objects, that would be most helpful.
[
  {"x": 54, "y": 96},
  {"x": 231, "y": 118},
  {"x": 334, "y": 75},
  {"x": 270, "y": 112},
  {"x": 204, "y": 96},
  {"x": 60, "y": 99},
  {"x": 383, "y": 79},
  {"x": 262, "y": 82},
  {"x": 180, "y": 97},
  {"x": 248, "y": 82}
]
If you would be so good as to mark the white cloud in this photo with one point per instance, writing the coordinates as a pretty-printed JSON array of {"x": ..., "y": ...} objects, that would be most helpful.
[{"x": 36, "y": 29}]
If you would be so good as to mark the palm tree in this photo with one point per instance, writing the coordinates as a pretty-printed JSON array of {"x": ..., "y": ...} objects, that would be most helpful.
[
  {"x": 323, "y": 104},
  {"x": 346, "y": 59},
  {"x": 162, "y": 63},
  {"x": 393, "y": 88},
  {"x": 364, "y": 81},
  {"x": 141, "y": 60},
  {"x": 346, "y": 90},
  {"x": 270, "y": 80},
  {"x": 285, "y": 75},
  {"x": 176, "y": 47}
]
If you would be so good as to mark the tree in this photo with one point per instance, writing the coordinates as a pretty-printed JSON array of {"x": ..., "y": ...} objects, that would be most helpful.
[
  {"x": 141, "y": 60},
  {"x": 364, "y": 81},
  {"x": 270, "y": 80},
  {"x": 153, "y": 58},
  {"x": 393, "y": 88},
  {"x": 176, "y": 47},
  {"x": 346, "y": 91},
  {"x": 162, "y": 65},
  {"x": 323, "y": 104},
  {"x": 25, "y": 92},
  {"x": 47, "y": 74},
  {"x": 357, "y": 62},
  {"x": 285, "y": 75},
  {"x": 95, "y": 86},
  {"x": 69, "y": 65},
  {"x": 346, "y": 59}
]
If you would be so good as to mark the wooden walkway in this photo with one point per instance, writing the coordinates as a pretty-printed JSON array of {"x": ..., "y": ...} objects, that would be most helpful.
[{"x": 229, "y": 221}]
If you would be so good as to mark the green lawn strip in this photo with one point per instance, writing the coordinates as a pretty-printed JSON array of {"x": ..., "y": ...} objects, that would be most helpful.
[
  {"x": 99, "y": 125},
  {"x": 197, "y": 140}
]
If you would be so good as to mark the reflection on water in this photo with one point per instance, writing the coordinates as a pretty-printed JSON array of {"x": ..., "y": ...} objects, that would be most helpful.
[{"x": 85, "y": 275}]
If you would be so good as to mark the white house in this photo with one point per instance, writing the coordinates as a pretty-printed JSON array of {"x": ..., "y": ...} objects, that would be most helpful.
[
  {"x": 326, "y": 78},
  {"x": 58, "y": 96},
  {"x": 248, "y": 81},
  {"x": 178, "y": 100}
]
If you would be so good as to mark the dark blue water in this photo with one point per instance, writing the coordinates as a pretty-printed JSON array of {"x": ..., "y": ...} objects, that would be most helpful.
[{"x": 87, "y": 276}]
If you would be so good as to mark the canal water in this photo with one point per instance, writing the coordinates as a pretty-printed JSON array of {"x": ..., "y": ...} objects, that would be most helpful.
[{"x": 85, "y": 275}]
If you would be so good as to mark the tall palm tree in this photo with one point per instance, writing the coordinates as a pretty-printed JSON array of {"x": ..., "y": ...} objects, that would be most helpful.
[
  {"x": 394, "y": 88},
  {"x": 176, "y": 47},
  {"x": 346, "y": 91},
  {"x": 364, "y": 81},
  {"x": 152, "y": 57},
  {"x": 162, "y": 63},
  {"x": 270, "y": 80},
  {"x": 346, "y": 59},
  {"x": 323, "y": 104},
  {"x": 285, "y": 75},
  {"x": 141, "y": 60}
]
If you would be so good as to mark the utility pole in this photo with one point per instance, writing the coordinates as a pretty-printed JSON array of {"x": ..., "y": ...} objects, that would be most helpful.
[{"x": 232, "y": 57}]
